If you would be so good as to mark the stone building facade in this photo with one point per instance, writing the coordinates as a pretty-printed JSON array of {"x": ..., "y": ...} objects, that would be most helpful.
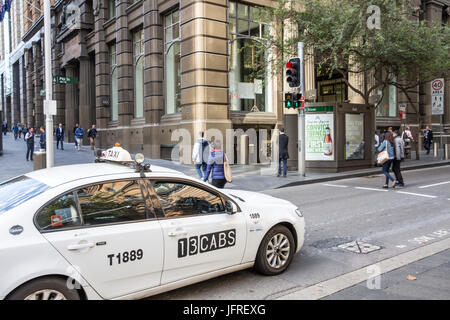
[{"x": 145, "y": 68}]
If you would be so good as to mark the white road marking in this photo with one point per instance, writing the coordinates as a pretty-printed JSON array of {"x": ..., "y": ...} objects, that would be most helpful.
[
  {"x": 401, "y": 246},
  {"x": 417, "y": 194},
  {"x": 434, "y": 185},
  {"x": 334, "y": 185},
  {"x": 331, "y": 286},
  {"x": 371, "y": 189}
]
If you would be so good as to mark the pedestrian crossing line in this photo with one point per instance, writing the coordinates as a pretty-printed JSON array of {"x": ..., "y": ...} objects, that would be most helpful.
[
  {"x": 434, "y": 185},
  {"x": 417, "y": 194},
  {"x": 334, "y": 185},
  {"x": 371, "y": 189}
]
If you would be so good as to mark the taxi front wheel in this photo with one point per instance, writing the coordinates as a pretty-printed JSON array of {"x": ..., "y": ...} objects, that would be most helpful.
[
  {"x": 45, "y": 289},
  {"x": 275, "y": 252}
]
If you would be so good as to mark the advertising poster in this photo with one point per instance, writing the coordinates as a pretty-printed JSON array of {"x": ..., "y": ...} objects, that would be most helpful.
[
  {"x": 354, "y": 136},
  {"x": 319, "y": 137}
]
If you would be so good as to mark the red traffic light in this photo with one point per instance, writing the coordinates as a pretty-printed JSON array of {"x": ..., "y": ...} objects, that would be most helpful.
[{"x": 289, "y": 65}]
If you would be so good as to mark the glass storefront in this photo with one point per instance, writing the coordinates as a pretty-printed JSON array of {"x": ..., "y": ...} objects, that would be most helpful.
[
  {"x": 172, "y": 59},
  {"x": 138, "y": 41},
  {"x": 249, "y": 76}
]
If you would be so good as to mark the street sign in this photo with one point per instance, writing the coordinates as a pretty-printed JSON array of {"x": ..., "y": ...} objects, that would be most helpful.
[
  {"x": 402, "y": 110},
  {"x": 437, "y": 96},
  {"x": 65, "y": 80}
]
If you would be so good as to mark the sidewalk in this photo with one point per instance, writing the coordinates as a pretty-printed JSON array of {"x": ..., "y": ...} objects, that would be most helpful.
[{"x": 247, "y": 177}]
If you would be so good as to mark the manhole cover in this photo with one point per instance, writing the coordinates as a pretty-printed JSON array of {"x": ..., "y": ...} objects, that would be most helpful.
[{"x": 359, "y": 247}]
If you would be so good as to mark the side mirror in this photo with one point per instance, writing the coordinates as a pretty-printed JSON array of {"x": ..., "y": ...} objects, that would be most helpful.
[{"x": 230, "y": 207}]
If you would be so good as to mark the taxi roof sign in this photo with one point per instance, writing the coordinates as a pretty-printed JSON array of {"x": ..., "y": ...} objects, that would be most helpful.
[{"x": 116, "y": 154}]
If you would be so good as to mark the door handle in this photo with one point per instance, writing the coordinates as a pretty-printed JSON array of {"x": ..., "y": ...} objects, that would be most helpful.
[
  {"x": 177, "y": 233},
  {"x": 80, "y": 246}
]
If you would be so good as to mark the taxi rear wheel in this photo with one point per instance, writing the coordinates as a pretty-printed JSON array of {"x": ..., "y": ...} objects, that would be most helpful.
[
  {"x": 45, "y": 289},
  {"x": 275, "y": 252}
]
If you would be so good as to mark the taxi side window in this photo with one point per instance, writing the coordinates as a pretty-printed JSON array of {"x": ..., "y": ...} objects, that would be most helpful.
[
  {"x": 112, "y": 202},
  {"x": 61, "y": 213},
  {"x": 179, "y": 199}
]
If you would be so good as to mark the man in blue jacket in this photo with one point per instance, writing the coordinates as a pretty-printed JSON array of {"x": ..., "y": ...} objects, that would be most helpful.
[
  {"x": 79, "y": 133},
  {"x": 215, "y": 164}
]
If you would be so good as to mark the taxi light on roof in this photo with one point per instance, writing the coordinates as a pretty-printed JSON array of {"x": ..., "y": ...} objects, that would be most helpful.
[
  {"x": 117, "y": 144},
  {"x": 139, "y": 158}
]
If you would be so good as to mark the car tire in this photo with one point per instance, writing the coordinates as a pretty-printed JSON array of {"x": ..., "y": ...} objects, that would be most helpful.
[
  {"x": 275, "y": 262},
  {"x": 50, "y": 288}
]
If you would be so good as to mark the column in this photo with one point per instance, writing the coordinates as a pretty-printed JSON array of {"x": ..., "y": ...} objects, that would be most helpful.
[
  {"x": 204, "y": 65},
  {"x": 38, "y": 85},
  {"x": 23, "y": 90},
  {"x": 153, "y": 77},
  {"x": 85, "y": 95},
  {"x": 71, "y": 99},
  {"x": 29, "y": 87},
  {"x": 124, "y": 56}
]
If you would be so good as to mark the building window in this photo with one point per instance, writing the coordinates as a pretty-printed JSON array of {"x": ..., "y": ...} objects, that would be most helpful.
[
  {"x": 111, "y": 9},
  {"x": 388, "y": 105},
  {"x": 138, "y": 41},
  {"x": 172, "y": 56},
  {"x": 249, "y": 76},
  {"x": 114, "y": 89}
]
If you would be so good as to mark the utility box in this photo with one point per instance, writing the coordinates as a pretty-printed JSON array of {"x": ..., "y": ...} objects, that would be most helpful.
[
  {"x": 39, "y": 160},
  {"x": 339, "y": 136}
]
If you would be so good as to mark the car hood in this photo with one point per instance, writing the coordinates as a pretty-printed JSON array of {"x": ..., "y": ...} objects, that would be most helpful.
[{"x": 250, "y": 197}]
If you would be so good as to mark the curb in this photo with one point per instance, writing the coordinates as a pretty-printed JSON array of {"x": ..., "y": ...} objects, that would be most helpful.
[{"x": 360, "y": 174}]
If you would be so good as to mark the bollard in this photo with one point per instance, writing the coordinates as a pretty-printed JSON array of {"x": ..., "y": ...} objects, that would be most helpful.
[
  {"x": 39, "y": 160},
  {"x": 447, "y": 151},
  {"x": 436, "y": 149},
  {"x": 244, "y": 154}
]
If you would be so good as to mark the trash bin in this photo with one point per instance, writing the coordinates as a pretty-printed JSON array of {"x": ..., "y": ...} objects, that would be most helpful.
[{"x": 39, "y": 160}]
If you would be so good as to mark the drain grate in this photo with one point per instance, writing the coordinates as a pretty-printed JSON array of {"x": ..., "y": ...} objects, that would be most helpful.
[{"x": 359, "y": 247}]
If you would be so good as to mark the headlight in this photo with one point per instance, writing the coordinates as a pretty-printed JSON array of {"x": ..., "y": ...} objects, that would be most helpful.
[{"x": 299, "y": 213}]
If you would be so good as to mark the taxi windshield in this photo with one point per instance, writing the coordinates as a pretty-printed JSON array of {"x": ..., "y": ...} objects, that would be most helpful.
[{"x": 16, "y": 191}]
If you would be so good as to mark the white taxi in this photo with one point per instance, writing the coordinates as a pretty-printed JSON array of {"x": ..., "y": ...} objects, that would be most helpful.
[{"x": 122, "y": 229}]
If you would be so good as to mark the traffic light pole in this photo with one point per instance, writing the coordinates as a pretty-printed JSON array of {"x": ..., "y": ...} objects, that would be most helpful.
[
  {"x": 48, "y": 85},
  {"x": 301, "y": 114}
]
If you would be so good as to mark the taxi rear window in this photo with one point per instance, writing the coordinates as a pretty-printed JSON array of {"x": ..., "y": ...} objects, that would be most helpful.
[{"x": 19, "y": 190}]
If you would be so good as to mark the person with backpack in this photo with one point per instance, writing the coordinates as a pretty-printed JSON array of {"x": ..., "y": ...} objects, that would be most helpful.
[
  {"x": 200, "y": 154},
  {"x": 216, "y": 163},
  {"x": 388, "y": 146}
]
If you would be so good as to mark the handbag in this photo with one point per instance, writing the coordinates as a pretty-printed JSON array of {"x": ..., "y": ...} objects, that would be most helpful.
[
  {"x": 383, "y": 156},
  {"x": 227, "y": 170}
]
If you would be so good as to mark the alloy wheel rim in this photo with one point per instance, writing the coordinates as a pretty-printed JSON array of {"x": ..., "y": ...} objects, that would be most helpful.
[
  {"x": 278, "y": 251},
  {"x": 46, "y": 294}
]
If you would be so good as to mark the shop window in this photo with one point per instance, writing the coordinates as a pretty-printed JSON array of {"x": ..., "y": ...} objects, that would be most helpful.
[
  {"x": 138, "y": 41},
  {"x": 172, "y": 59},
  {"x": 249, "y": 75}
]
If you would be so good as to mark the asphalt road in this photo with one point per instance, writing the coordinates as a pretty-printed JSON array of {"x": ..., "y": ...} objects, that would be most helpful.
[{"x": 397, "y": 220}]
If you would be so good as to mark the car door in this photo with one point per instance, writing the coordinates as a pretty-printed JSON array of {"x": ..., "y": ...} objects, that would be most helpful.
[
  {"x": 108, "y": 234},
  {"x": 199, "y": 236}
]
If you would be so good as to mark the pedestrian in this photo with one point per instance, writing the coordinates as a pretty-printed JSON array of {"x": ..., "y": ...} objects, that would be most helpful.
[
  {"x": 388, "y": 145},
  {"x": 79, "y": 133},
  {"x": 92, "y": 134},
  {"x": 216, "y": 161},
  {"x": 200, "y": 154},
  {"x": 42, "y": 138},
  {"x": 29, "y": 138},
  {"x": 399, "y": 151},
  {"x": 376, "y": 145},
  {"x": 283, "y": 141},
  {"x": 20, "y": 130},
  {"x": 382, "y": 136},
  {"x": 407, "y": 136},
  {"x": 427, "y": 139},
  {"x": 24, "y": 130},
  {"x": 75, "y": 136},
  {"x": 15, "y": 130},
  {"x": 60, "y": 136},
  {"x": 4, "y": 128}
]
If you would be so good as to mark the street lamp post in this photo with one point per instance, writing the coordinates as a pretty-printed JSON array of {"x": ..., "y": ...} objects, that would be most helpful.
[{"x": 49, "y": 105}]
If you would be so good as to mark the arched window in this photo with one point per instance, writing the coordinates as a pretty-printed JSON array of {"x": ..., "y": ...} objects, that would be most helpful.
[{"x": 172, "y": 62}]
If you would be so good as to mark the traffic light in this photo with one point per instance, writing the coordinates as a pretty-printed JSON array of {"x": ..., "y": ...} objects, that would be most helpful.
[
  {"x": 288, "y": 102},
  {"x": 297, "y": 99},
  {"x": 293, "y": 72}
]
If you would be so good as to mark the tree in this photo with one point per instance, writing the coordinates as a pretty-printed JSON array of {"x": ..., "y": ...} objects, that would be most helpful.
[{"x": 382, "y": 41}]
